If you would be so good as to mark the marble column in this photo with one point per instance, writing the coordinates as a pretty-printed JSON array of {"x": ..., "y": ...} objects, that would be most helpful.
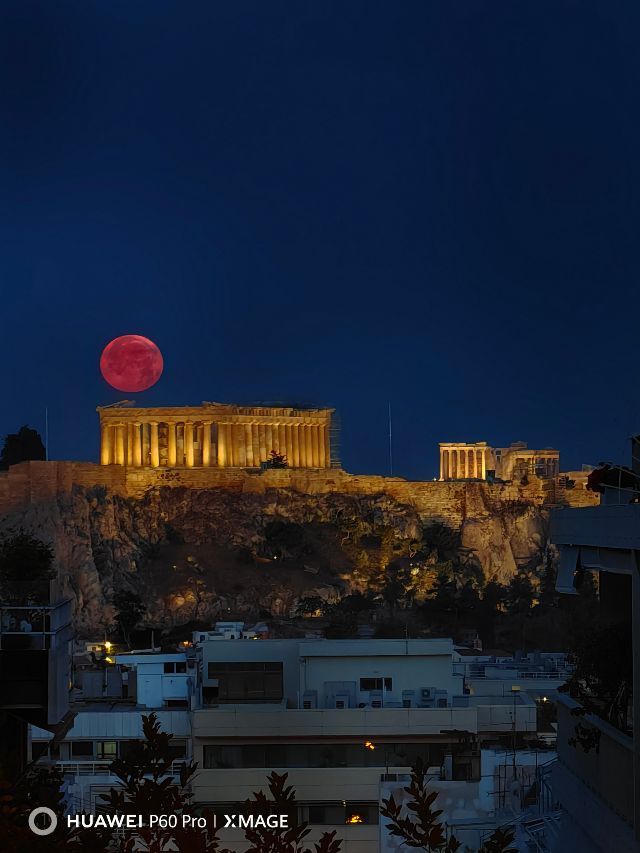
[
  {"x": 172, "y": 445},
  {"x": 240, "y": 454},
  {"x": 154, "y": 444},
  {"x": 137, "y": 445},
  {"x": 222, "y": 445},
  {"x": 255, "y": 443},
  {"x": 294, "y": 461},
  {"x": 289, "y": 443},
  {"x": 129, "y": 443},
  {"x": 188, "y": 444},
  {"x": 309, "y": 444},
  {"x": 248, "y": 445},
  {"x": 105, "y": 444},
  {"x": 206, "y": 443},
  {"x": 315, "y": 449},
  {"x": 262, "y": 443},
  {"x": 322, "y": 459},
  {"x": 484, "y": 465},
  {"x": 327, "y": 446},
  {"x": 120, "y": 442},
  {"x": 302, "y": 446}
]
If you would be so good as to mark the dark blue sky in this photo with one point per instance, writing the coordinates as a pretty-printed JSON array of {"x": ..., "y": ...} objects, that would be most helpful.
[{"x": 339, "y": 203}]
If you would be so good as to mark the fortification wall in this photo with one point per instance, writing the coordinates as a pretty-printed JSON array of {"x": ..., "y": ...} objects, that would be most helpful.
[{"x": 450, "y": 502}]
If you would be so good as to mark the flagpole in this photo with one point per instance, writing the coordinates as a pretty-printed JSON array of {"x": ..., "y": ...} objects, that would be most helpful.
[{"x": 46, "y": 433}]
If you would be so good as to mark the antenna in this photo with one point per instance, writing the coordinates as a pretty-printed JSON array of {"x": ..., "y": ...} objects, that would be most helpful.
[
  {"x": 46, "y": 433},
  {"x": 390, "y": 444}
]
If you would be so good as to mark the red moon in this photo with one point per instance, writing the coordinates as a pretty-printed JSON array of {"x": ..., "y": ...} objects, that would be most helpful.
[{"x": 131, "y": 363}]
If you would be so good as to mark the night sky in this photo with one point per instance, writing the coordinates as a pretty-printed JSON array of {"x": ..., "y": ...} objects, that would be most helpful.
[{"x": 334, "y": 203}]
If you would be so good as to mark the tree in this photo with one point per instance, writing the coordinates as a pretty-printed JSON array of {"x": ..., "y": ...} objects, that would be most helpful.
[
  {"x": 21, "y": 446},
  {"x": 520, "y": 595},
  {"x": 311, "y": 605},
  {"x": 280, "y": 839},
  {"x": 147, "y": 787},
  {"x": 26, "y": 567},
  {"x": 129, "y": 612},
  {"x": 39, "y": 786},
  {"x": 419, "y": 827},
  {"x": 603, "y": 676},
  {"x": 395, "y": 586}
]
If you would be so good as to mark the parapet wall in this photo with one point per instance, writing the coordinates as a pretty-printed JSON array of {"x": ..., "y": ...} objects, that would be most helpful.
[{"x": 450, "y": 502}]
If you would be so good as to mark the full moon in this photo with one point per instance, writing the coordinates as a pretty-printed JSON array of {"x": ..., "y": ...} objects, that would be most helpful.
[{"x": 131, "y": 363}]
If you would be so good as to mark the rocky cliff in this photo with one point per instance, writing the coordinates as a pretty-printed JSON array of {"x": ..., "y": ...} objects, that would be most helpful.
[{"x": 197, "y": 553}]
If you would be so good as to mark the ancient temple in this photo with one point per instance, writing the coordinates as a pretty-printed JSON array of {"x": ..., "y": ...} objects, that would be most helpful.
[
  {"x": 215, "y": 434},
  {"x": 465, "y": 461}
]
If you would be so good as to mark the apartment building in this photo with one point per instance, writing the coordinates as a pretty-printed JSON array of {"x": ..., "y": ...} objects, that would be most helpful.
[
  {"x": 600, "y": 788},
  {"x": 340, "y": 717}
]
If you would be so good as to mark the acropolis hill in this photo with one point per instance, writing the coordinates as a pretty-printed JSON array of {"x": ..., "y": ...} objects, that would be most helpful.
[{"x": 197, "y": 475}]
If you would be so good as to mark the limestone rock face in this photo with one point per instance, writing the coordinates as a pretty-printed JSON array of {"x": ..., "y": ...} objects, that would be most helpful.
[{"x": 183, "y": 548}]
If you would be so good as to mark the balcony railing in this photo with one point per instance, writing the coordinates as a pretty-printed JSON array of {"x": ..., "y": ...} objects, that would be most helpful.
[
  {"x": 508, "y": 671},
  {"x": 101, "y": 767},
  {"x": 606, "y": 765},
  {"x": 32, "y": 627}
]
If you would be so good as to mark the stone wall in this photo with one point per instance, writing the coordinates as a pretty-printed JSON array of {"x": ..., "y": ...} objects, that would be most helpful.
[{"x": 449, "y": 502}]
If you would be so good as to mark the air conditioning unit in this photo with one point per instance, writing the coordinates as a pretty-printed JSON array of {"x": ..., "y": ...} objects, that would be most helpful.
[
  {"x": 427, "y": 693},
  {"x": 408, "y": 698},
  {"x": 310, "y": 700},
  {"x": 341, "y": 701},
  {"x": 375, "y": 698}
]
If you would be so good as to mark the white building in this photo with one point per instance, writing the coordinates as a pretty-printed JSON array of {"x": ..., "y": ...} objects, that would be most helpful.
[
  {"x": 340, "y": 717},
  {"x": 539, "y": 674},
  {"x": 600, "y": 789},
  {"x": 110, "y": 703}
]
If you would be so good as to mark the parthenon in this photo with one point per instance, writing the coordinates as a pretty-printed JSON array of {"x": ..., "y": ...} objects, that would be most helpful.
[{"x": 214, "y": 434}]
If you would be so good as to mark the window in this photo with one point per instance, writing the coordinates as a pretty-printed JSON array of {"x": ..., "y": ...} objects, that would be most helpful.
[
  {"x": 376, "y": 684},
  {"x": 307, "y": 755},
  {"x": 250, "y": 681},
  {"x": 82, "y": 749},
  {"x": 177, "y": 703},
  {"x": 172, "y": 667},
  {"x": 334, "y": 814},
  {"x": 177, "y": 749},
  {"x": 107, "y": 749}
]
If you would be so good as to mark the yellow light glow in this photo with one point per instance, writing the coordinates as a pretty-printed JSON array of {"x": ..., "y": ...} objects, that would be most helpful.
[
  {"x": 355, "y": 818},
  {"x": 107, "y": 645},
  {"x": 109, "y": 660},
  {"x": 369, "y": 745}
]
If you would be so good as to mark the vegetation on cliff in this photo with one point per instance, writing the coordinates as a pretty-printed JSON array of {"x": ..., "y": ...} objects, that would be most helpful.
[{"x": 329, "y": 560}]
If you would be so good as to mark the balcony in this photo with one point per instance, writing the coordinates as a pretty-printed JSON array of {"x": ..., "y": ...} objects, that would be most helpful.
[
  {"x": 35, "y": 662},
  {"x": 92, "y": 767},
  {"x": 606, "y": 526},
  {"x": 358, "y": 722},
  {"x": 595, "y": 787}
]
